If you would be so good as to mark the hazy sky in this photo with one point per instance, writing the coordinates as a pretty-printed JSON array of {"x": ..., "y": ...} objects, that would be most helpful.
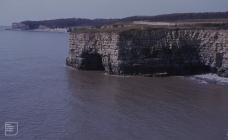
[{"x": 18, "y": 10}]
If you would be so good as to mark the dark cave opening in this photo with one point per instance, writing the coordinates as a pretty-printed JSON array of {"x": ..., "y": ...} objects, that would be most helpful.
[{"x": 91, "y": 61}]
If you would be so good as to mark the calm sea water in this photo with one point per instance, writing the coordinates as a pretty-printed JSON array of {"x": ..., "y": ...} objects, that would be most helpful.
[{"x": 53, "y": 102}]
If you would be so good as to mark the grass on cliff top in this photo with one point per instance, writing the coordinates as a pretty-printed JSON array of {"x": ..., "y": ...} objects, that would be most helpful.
[
  {"x": 106, "y": 29},
  {"x": 121, "y": 28}
]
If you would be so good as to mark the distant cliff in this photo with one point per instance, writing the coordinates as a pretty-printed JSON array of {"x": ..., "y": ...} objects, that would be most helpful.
[
  {"x": 61, "y": 23},
  {"x": 76, "y": 22},
  {"x": 149, "y": 50}
]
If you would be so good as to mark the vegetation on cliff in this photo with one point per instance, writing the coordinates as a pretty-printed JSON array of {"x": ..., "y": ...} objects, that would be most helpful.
[
  {"x": 66, "y": 23},
  {"x": 76, "y": 22}
]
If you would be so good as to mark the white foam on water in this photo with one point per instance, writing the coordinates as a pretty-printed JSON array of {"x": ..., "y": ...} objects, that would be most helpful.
[{"x": 210, "y": 78}]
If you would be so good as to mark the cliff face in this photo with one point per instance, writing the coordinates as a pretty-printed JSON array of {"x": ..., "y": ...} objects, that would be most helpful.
[
  {"x": 94, "y": 51},
  {"x": 148, "y": 51}
]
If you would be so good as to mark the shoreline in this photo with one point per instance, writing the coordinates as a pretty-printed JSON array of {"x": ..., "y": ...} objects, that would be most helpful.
[{"x": 58, "y": 30}]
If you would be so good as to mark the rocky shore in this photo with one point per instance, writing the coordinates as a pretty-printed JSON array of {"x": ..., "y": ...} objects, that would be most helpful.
[{"x": 147, "y": 50}]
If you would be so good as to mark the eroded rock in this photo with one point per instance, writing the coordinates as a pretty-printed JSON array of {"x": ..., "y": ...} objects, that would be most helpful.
[{"x": 148, "y": 51}]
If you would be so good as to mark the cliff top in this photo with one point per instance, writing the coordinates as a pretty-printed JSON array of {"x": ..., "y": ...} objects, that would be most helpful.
[{"x": 145, "y": 25}]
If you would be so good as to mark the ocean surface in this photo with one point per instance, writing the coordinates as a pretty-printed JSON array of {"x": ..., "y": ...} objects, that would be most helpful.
[{"x": 51, "y": 101}]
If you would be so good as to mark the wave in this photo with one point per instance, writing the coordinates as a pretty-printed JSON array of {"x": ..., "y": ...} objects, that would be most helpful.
[{"x": 210, "y": 78}]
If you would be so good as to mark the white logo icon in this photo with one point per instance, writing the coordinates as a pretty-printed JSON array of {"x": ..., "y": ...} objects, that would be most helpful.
[{"x": 11, "y": 128}]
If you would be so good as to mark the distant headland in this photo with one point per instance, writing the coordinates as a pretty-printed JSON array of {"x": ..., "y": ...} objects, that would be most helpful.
[{"x": 65, "y": 24}]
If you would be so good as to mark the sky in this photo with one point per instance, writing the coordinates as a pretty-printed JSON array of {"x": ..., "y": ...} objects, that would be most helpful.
[{"x": 20, "y": 10}]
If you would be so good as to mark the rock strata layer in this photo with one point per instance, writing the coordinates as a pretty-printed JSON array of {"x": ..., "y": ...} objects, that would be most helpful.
[{"x": 151, "y": 51}]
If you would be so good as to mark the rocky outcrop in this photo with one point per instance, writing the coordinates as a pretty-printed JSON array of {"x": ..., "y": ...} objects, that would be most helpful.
[
  {"x": 94, "y": 51},
  {"x": 19, "y": 26},
  {"x": 150, "y": 51}
]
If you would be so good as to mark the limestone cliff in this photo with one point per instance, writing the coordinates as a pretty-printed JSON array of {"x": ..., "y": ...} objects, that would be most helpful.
[{"x": 151, "y": 50}]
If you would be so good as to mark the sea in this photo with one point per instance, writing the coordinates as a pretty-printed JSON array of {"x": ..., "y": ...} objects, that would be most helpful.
[{"x": 43, "y": 99}]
